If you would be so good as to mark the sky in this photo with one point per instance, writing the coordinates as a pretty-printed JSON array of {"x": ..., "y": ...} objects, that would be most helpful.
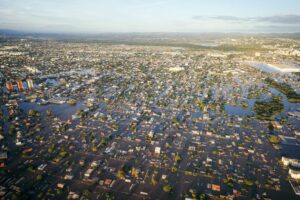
[{"x": 102, "y": 16}]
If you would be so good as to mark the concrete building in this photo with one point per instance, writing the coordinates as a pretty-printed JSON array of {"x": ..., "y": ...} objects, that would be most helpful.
[
  {"x": 30, "y": 83},
  {"x": 290, "y": 161},
  {"x": 294, "y": 172},
  {"x": 9, "y": 86},
  {"x": 20, "y": 85},
  {"x": 157, "y": 150}
]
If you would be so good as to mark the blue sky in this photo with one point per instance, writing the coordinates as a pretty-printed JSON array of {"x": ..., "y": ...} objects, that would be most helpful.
[{"x": 97, "y": 16}]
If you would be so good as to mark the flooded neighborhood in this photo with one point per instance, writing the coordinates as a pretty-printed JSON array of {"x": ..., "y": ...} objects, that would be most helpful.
[{"x": 198, "y": 119}]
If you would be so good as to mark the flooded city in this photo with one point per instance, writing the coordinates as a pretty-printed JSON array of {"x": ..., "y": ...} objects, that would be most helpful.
[{"x": 92, "y": 120}]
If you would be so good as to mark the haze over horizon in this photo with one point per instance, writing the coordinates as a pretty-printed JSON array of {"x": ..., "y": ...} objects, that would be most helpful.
[{"x": 91, "y": 16}]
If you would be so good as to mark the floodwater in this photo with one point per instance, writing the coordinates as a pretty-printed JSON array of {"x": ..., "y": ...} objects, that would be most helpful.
[
  {"x": 265, "y": 68},
  {"x": 62, "y": 111},
  {"x": 65, "y": 112},
  {"x": 209, "y": 45}
]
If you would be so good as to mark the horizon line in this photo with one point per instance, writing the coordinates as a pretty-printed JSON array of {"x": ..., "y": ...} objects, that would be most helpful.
[{"x": 15, "y": 31}]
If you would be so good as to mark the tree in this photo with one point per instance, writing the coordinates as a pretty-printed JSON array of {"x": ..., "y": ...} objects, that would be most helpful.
[
  {"x": 62, "y": 153},
  {"x": 94, "y": 147},
  {"x": 167, "y": 188},
  {"x": 86, "y": 193},
  {"x": 267, "y": 109},
  {"x": 153, "y": 181},
  {"x": 177, "y": 158},
  {"x": 248, "y": 182},
  {"x": 202, "y": 196},
  {"x": 109, "y": 196},
  {"x": 271, "y": 128},
  {"x": 82, "y": 114},
  {"x": 59, "y": 192},
  {"x": 31, "y": 112},
  {"x": 168, "y": 145},
  {"x": 49, "y": 112},
  {"x": 120, "y": 173},
  {"x": 72, "y": 102},
  {"x": 201, "y": 104},
  {"x": 34, "y": 113},
  {"x": 37, "y": 114},
  {"x": 39, "y": 177},
  {"x": 274, "y": 139},
  {"x": 135, "y": 172},
  {"x": 12, "y": 129},
  {"x": 174, "y": 169}
]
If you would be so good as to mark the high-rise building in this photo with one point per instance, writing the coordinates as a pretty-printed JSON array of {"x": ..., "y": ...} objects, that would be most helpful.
[
  {"x": 29, "y": 83},
  {"x": 20, "y": 85},
  {"x": 9, "y": 86}
]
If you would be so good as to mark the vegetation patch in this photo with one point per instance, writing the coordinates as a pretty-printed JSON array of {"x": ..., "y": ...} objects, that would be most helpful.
[
  {"x": 268, "y": 109},
  {"x": 285, "y": 89}
]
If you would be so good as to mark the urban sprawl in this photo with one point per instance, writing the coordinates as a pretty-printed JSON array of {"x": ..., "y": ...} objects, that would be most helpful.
[{"x": 209, "y": 119}]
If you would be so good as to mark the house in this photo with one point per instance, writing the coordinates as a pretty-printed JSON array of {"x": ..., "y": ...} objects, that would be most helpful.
[
  {"x": 192, "y": 148},
  {"x": 290, "y": 161},
  {"x": 290, "y": 155},
  {"x": 68, "y": 177},
  {"x": 3, "y": 155},
  {"x": 60, "y": 185},
  {"x": 42, "y": 167},
  {"x": 205, "y": 117},
  {"x": 88, "y": 173},
  {"x": 276, "y": 124},
  {"x": 294, "y": 172},
  {"x": 215, "y": 187},
  {"x": 107, "y": 182},
  {"x": 73, "y": 195},
  {"x": 95, "y": 163},
  {"x": 157, "y": 150}
]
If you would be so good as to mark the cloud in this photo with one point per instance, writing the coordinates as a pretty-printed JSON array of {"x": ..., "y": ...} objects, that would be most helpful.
[
  {"x": 280, "y": 19},
  {"x": 230, "y": 18},
  {"x": 275, "y": 19},
  {"x": 221, "y": 18}
]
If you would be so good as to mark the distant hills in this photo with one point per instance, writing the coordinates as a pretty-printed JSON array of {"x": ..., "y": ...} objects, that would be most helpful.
[
  {"x": 146, "y": 35},
  {"x": 185, "y": 40}
]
